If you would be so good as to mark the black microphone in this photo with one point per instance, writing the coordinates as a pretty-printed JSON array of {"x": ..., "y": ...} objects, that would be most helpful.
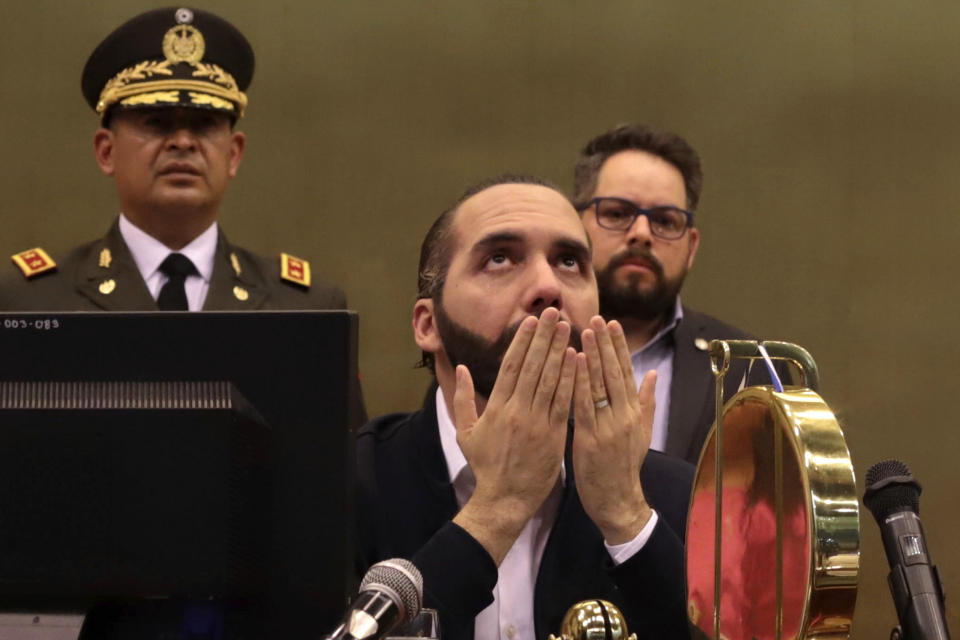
[
  {"x": 893, "y": 496},
  {"x": 391, "y": 593}
]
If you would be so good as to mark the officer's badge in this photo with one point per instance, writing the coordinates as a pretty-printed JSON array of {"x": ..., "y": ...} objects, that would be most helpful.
[
  {"x": 241, "y": 294},
  {"x": 107, "y": 286},
  {"x": 34, "y": 262},
  {"x": 295, "y": 270},
  {"x": 105, "y": 258},
  {"x": 235, "y": 263}
]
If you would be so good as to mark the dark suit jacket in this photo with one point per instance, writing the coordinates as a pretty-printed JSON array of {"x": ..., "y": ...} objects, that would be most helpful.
[
  {"x": 692, "y": 391},
  {"x": 405, "y": 504},
  {"x": 76, "y": 284}
]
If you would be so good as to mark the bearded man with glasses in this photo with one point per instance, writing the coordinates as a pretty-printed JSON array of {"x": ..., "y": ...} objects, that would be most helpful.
[{"x": 637, "y": 189}]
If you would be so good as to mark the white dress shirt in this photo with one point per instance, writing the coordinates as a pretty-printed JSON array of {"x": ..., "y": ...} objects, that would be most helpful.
[
  {"x": 149, "y": 253},
  {"x": 510, "y": 617},
  {"x": 658, "y": 355}
]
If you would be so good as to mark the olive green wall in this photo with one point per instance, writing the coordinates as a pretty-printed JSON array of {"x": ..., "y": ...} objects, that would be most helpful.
[{"x": 828, "y": 134}]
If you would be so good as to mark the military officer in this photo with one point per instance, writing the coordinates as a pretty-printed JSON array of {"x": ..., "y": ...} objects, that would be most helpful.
[{"x": 169, "y": 87}]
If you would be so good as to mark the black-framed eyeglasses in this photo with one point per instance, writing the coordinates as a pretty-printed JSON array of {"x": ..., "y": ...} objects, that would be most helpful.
[{"x": 617, "y": 214}]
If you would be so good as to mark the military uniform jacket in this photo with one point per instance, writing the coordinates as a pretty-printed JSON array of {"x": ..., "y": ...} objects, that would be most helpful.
[{"x": 92, "y": 279}]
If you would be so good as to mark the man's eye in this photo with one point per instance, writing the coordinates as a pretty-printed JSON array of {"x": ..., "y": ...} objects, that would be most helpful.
[
  {"x": 617, "y": 213},
  {"x": 667, "y": 218},
  {"x": 570, "y": 262},
  {"x": 498, "y": 261}
]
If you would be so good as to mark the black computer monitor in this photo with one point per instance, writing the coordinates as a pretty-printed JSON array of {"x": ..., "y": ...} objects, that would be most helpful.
[{"x": 187, "y": 456}]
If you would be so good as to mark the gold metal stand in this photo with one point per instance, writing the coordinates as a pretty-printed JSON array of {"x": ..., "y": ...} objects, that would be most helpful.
[{"x": 773, "y": 529}]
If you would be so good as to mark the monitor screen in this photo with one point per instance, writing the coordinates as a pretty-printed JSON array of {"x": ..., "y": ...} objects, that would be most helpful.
[{"x": 191, "y": 456}]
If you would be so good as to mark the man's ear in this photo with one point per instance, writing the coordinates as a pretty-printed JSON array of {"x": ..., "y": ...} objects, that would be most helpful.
[
  {"x": 425, "y": 326},
  {"x": 103, "y": 150},
  {"x": 238, "y": 144}
]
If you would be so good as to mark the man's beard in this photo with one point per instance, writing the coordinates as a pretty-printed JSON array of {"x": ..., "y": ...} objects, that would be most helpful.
[
  {"x": 481, "y": 356},
  {"x": 620, "y": 301}
]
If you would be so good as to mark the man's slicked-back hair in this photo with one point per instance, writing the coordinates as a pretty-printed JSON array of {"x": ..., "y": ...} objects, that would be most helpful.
[
  {"x": 436, "y": 252},
  {"x": 636, "y": 137}
]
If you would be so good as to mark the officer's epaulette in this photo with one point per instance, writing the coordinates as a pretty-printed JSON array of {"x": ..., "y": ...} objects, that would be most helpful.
[
  {"x": 33, "y": 262},
  {"x": 295, "y": 270}
]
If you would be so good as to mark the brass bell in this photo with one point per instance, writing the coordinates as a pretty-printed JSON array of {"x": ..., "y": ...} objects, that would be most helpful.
[{"x": 594, "y": 620}]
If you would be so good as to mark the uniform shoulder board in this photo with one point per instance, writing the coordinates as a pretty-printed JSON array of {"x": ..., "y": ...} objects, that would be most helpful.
[
  {"x": 295, "y": 270},
  {"x": 33, "y": 262}
]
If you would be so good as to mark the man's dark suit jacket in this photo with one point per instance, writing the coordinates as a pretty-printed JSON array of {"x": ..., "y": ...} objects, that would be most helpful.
[
  {"x": 405, "y": 505},
  {"x": 692, "y": 391},
  {"x": 76, "y": 284}
]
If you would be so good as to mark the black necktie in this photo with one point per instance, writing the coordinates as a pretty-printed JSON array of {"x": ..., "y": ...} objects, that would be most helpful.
[{"x": 172, "y": 296}]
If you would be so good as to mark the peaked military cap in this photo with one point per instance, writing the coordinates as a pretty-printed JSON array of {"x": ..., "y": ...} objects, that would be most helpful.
[{"x": 168, "y": 58}]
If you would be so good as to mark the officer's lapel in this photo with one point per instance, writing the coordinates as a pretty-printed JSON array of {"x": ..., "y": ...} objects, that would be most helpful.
[
  {"x": 109, "y": 277},
  {"x": 236, "y": 284}
]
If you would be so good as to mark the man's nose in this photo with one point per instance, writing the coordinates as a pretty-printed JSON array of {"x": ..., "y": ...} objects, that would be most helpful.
[
  {"x": 639, "y": 232},
  {"x": 182, "y": 138},
  {"x": 545, "y": 290}
]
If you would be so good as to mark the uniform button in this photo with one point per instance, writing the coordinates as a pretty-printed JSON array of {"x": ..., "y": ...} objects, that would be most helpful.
[{"x": 510, "y": 631}]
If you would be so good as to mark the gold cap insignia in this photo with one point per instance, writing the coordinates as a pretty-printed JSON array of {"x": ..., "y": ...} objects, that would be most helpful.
[
  {"x": 240, "y": 293},
  {"x": 33, "y": 262},
  {"x": 183, "y": 43},
  {"x": 295, "y": 270},
  {"x": 235, "y": 263},
  {"x": 105, "y": 258},
  {"x": 107, "y": 286}
]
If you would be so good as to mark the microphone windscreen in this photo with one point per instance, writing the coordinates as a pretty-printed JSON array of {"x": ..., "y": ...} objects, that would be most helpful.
[
  {"x": 400, "y": 577},
  {"x": 891, "y": 488},
  {"x": 886, "y": 469}
]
